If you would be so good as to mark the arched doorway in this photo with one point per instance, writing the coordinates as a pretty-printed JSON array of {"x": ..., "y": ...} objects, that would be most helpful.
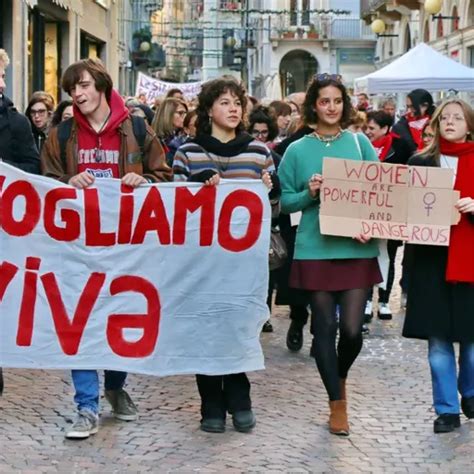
[{"x": 296, "y": 69}]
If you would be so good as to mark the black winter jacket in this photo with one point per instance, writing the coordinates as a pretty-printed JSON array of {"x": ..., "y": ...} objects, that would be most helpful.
[{"x": 17, "y": 147}]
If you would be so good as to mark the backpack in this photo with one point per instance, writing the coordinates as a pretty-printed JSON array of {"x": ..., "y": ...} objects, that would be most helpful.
[{"x": 64, "y": 131}]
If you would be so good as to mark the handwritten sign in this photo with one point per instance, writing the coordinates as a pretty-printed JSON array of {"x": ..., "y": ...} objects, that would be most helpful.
[{"x": 399, "y": 202}]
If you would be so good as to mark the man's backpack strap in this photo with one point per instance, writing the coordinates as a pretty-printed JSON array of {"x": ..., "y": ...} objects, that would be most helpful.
[
  {"x": 64, "y": 132},
  {"x": 139, "y": 130}
]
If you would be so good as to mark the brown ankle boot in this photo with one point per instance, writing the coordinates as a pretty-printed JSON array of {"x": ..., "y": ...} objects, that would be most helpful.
[
  {"x": 338, "y": 423},
  {"x": 342, "y": 387}
]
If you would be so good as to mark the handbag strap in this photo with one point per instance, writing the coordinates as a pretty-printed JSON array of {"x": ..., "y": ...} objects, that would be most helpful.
[{"x": 356, "y": 139}]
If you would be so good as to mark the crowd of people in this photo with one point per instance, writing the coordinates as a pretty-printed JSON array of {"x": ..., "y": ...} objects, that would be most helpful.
[{"x": 225, "y": 134}]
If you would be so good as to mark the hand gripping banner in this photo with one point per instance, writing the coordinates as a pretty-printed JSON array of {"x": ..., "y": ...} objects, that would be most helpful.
[{"x": 162, "y": 279}]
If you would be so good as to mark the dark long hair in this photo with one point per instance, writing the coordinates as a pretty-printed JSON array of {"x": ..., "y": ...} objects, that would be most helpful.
[
  {"x": 309, "y": 113},
  {"x": 421, "y": 97},
  {"x": 210, "y": 92},
  {"x": 58, "y": 113},
  {"x": 262, "y": 115}
]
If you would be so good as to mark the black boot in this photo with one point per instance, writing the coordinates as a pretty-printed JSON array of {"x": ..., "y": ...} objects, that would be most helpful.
[
  {"x": 467, "y": 405},
  {"x": 294, "y": 337},
  {"x": 446, "y": 423}
]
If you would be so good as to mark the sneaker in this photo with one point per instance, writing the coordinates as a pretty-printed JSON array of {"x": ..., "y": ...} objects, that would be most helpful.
[
  {"x": 122, "y": 405},
  {"x": 365, "y": 329},
  {"x": 368, "y": 313},
  {"x": 267, "y": 327},
  {"x": 446, "y": 423},
  {"x": 467, "y": 405},
  {"x": 403, "y": 301},
  {"x": 85, "y": 424},
  {"x": 384, "y": 312}
]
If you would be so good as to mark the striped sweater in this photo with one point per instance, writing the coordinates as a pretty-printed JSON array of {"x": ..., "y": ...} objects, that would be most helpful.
[{"x": 191, "y": 159}]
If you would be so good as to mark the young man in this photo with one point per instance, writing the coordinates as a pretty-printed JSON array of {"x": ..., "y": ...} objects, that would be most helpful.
[{"x": 101, "y": 143}]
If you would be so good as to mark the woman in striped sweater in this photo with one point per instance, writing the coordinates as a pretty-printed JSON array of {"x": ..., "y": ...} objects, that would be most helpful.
[{"x": 222, "y": 149}]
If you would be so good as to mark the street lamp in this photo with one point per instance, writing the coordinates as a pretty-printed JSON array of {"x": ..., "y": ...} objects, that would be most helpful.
[
  {"x": 433, "y": 7},
  {"x": 378, "y": 27}
]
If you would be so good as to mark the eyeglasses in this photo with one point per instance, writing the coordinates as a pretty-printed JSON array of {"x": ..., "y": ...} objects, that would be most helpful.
[
  {"x": 428, "y": 135},
  {"x": 259, "y": 133},
  {"x": 327, "y": 77},
  {"x": 39, "y": 112},
  {"x": 181, "y": 113}
]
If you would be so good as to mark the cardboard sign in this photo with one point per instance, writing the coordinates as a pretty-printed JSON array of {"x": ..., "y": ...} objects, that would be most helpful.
[{"x": 399, "y": 202}]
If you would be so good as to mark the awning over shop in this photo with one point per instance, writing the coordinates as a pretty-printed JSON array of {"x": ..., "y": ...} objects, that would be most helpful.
[{"x": 73, "y": 5}]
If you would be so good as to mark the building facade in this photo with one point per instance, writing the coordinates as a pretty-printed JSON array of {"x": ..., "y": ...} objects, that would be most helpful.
[
  {"x": 299, "y": 38},
  {"x": 409, "y": 24},
  {"x": 42, "y": 37}
]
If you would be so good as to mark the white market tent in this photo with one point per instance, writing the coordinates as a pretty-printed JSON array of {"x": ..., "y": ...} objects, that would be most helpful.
[{"x": 421, "y": 67}]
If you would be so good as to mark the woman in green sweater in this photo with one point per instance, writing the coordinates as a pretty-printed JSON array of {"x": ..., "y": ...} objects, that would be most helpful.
[{"x": 336, "y": 271}]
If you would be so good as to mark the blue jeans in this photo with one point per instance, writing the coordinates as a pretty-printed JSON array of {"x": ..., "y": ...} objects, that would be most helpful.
[
  {"x": 86, "y": 384},
  {"x": 444, "y": 377}
]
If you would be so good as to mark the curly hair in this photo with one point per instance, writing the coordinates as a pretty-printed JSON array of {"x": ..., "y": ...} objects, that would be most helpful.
[
  {"x": 210, "y": 92},
  {"x": 262, "y": 115},
  {"x": 312, "y": 94},
  {"x": 58, "y": 113}
]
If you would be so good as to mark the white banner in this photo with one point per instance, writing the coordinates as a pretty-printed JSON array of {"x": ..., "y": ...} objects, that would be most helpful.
[
  {"x": 164, "y": 279},
  {"x": 153, "y": 88}
]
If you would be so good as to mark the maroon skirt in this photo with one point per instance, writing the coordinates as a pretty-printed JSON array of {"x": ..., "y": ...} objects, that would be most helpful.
[{"x": 335, "y": 275}]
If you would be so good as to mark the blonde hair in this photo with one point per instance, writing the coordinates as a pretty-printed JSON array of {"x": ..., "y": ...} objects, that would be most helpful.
[
  {"x": 433, "y": 149},
  {"x": 4, "y": 59},
  {"x": 163, "y": 120}
]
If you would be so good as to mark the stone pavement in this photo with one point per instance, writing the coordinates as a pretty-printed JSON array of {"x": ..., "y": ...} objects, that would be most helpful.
[{"x": 390, "y": 412}]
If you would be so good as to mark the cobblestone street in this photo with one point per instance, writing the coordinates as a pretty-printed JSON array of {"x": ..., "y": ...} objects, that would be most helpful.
[{"x": 389, "y": 406}]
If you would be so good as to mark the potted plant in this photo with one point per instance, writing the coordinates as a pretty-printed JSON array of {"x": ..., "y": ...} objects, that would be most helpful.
[
  {"x": 312, "y": 32},
  {"x": 288, "y": 34}
]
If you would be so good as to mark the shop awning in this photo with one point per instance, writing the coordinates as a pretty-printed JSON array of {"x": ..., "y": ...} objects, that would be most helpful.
[{"x": 73, "y": 5}]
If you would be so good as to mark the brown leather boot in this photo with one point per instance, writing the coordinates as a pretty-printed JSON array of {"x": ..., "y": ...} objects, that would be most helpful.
[
  {"x": 338, "y": 423},
  {"x": 342, "y": 387}
]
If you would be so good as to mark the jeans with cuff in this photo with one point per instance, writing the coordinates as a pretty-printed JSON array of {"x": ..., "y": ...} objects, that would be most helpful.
[
  {"x": 444, "y": 374},
  {"x": 86, "y": 384}
]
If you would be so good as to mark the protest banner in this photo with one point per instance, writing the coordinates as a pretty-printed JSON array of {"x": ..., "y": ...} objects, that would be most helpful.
[
  {"x": 162, "y": 279},
  {"x": 153, "y": 88},
  {"x": 399, "y": 202}
]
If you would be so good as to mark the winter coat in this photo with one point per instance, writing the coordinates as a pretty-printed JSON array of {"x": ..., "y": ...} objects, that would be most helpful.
[
  {"x": 17, "y": 147},
  {"x": 436, "y": 308}
]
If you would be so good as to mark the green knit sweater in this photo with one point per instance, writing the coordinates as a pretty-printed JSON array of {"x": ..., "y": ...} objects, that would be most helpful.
[{"x": 302, "y": 159}]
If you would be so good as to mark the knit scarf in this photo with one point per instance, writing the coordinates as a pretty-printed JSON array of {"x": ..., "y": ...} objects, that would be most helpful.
[
  {"x": 415, "y": 125},
  {"x": 382, "y": 146},
  {"x": 233, "y": 148},
  {"x": 460, "y": 266}
]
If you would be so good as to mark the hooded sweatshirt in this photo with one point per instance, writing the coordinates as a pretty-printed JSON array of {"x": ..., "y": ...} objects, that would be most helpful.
[{"x": 98, "y": 152}]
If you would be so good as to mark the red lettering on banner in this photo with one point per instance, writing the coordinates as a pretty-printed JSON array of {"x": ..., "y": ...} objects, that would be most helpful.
[
  {"x": 149, "y": 322},
  {"x": 152, "y": 217},
  {"x": 28, "y": 302},
  {"x": 125, "y": 214},
  {"x": 70, "y": 332},
  {"x": 326, "y": 193},
  {"x": 386, "y": 230},
  {"x": 94, "y": 236},
  {"x": 31, "y": 214},
  {"x": 186, "y": 201},
  {"x": 7, "y": 273},
  {"x": 429, "y": 234},
  {"x": 419, "y": 177},
  {"x": 253, "y": 203},
  {"x": 71, "y": 219}
]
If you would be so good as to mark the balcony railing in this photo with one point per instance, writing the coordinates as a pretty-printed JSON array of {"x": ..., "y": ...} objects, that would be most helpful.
[{"x": 325, "y": 29}]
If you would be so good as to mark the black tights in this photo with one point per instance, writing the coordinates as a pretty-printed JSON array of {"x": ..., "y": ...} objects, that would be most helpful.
[{"x": 332, "y": 364}]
